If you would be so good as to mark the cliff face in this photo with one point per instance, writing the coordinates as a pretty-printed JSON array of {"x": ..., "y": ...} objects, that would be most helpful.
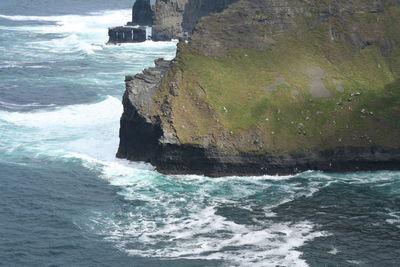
[
  {"x": 196, "y": 9},
  {"x": 138, "y": 131},
  {"x": 141, "y": 13},
  {"x": 176, "y": 18},
  {"x": 272, "y": 86},
  {"x": 168, "y": 16}
]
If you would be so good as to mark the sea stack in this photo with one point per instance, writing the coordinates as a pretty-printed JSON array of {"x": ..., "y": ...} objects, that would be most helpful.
[
  {"x": 134, "y": 31},
  {"x": 142, "y": 14},
  {"x": 169, "y": 19},
  {"x": 126, "y": 34}
]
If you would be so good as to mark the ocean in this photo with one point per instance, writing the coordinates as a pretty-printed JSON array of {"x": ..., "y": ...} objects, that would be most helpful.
[{"x": 65, "y": 200}]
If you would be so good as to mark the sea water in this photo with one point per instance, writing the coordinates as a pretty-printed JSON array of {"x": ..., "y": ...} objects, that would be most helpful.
[{"x": 65, "y": 200}]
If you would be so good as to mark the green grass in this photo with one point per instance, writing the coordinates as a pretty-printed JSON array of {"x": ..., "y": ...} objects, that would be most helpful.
[{"x": 234, "y": 86}]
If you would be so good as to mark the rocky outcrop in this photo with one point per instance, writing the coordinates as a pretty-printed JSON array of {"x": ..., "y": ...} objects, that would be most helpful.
[
  {"x": 126, "y": 34},
  {"x": 168, "y": 16},
  {"x": 170, "y": 19},
  {"x": 175, "y": 19},
  {"x": 196, "y": 9},
  {"x": 142, "y": 14},
  {"x": 143, "y": 138},
  {"x": 273, "y": 87},
  {"x": 139, "y": 135}
]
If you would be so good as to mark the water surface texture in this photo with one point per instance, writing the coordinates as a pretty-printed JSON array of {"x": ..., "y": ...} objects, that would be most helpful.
[{"x": 66, "y": 201}]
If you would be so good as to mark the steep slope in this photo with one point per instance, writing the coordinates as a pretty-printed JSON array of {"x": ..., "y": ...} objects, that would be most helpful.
[
  {"x": 175, "y": 19},
  {"x": 283, "y": 86}
]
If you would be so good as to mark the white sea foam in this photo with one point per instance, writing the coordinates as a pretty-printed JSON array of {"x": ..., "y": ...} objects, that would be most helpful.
[
  {"x": 239, "y": 178},
  {"x": 180, "y": 219},
  {"x": 92, "y": 22},
  {"x": 70, "y": 43},
  {"x": 334, "y": 251},
  {"x": 395, "y": 218},
  {"x": 70, "y": 116},
  {"x": 83, "y": 129},
  {"x": 378, "y": 179},
  {"x": 22, "y": 66},
  {"x": 19, "y": 106},
  {"x": 199, "y": 238},
  {"x": 203, "y": 234},
  {"x": 87, "y": 33}
]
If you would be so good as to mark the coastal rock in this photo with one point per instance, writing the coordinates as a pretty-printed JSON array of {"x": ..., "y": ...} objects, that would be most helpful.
[
  {"x": 126, "y": 34},
  {"x": 140, "y": 130},
  {"x": 175, "y": 19},
  {"x": 168, "y": 17},
  {"x": 142, "y": 14},
  {"x": 225, "y": 105}
]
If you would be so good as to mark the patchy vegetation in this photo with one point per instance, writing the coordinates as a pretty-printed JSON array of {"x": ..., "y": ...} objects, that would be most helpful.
[{"x": 330, "y": 84}]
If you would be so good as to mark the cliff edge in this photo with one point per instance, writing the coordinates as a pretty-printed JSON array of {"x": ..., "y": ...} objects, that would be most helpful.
[{"x": 273, "y": 87}]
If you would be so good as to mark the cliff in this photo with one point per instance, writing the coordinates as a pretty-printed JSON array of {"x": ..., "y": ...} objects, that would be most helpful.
[
  {"x": 126, "y": 34},
  {"x": 272, "y": 86},
  {"x": 142, "y": 14},
  {"x": 175, "y": 19}
]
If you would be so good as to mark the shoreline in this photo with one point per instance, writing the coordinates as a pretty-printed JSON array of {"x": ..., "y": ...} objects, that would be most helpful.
[{"x": 194, "y": 160}]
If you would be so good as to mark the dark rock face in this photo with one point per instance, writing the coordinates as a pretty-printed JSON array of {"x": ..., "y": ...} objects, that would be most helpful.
[
  {"x": 239, "y": 26},
  {"x": 139, "y": 136},
  {"x": 175, "y": 19},
  {"x": 149, "y": 133},
  {"x": 168, "y": 16},
  {"x": 126, "y": 34},
  {"x": 187, "y": 159},
  {"x": 142, "y": 14},
  {"x": 196, "y": 9},
  {"x": 143, "y": 138}
]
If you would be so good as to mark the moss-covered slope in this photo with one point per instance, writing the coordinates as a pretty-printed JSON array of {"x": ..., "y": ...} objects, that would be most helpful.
[
  {"x": 302, "y": 76},
  {"x": 278, "y": 86}
]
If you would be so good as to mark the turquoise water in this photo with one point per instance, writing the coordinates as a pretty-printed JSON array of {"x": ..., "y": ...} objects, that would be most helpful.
[{"x": 66, "y": 201}]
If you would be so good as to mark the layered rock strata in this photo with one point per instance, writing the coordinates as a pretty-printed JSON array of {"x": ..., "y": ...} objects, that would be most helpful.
[
  {"x": 273, "y": 87},
  {"x": 175, "y": 19}
]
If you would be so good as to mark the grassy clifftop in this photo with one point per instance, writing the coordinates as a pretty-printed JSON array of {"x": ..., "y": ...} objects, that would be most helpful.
[{"x": 303, "y": 76}]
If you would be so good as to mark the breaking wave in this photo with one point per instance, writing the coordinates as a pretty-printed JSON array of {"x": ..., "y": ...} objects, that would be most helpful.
[{"x": 167, "y": 216}]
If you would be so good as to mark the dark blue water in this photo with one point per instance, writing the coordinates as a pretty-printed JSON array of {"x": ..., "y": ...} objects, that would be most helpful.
[{"x": 66, "y": 201}]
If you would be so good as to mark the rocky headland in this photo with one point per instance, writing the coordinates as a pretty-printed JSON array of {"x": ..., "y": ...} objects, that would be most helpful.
[{"x": 273, "y": 87}]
